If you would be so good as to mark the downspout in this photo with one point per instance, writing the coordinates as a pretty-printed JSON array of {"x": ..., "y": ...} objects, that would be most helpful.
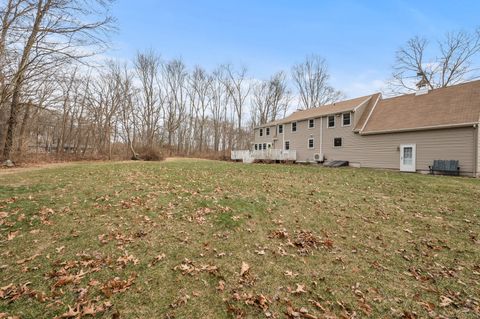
[
  {"x": 476, "y": 150},
  {"x": 321, "y": 138}
]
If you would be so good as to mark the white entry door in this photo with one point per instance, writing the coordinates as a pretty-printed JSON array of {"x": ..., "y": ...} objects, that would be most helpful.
[{"x": 407, "y": 157}]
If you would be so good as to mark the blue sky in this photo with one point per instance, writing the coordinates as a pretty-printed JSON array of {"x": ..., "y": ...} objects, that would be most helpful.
[{"x": 357, "y": 38}]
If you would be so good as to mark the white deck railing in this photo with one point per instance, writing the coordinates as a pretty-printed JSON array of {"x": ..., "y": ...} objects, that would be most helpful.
[{"x": 272, "y": 154}]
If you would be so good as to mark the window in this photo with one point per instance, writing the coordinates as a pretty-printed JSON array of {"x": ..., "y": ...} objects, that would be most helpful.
[
  {"x": 310, "y": 143},
  {"x": 256, "y": 147},
  {"x": 294, "y": 126},
  {"x": 331, "y": 121},
  {"x": 261, "y": 132},
  {"x": 346, "y": 119},
  {"x": 264, "y": 146},
  {"x": 269, "y": 146},
  {"x": 337, "y": 141},
  {"x": 311, "y": 123},
  {"x": 287, "y": 145},
  {"x": 280, "y": 129},
  {"x": 267, "y": 131}
]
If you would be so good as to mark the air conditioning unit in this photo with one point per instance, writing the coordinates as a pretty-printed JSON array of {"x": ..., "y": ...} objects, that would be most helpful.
[{"x": 318, "y": 157}]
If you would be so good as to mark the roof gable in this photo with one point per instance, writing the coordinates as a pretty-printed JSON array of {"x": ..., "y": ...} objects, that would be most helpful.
[{"x": 449, "y": 106}]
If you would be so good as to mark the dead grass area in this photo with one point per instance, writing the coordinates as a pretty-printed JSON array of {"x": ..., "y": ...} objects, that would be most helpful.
[{"x": 205, "y": 239}]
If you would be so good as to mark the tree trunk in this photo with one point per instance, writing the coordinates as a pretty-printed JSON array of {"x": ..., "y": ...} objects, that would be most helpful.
[
  {"x": 18, "y": 82},
  {"x": 26, "y": 117}
]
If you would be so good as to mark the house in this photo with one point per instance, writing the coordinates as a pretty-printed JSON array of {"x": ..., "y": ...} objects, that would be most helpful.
[{"x": 405, "y": 133}]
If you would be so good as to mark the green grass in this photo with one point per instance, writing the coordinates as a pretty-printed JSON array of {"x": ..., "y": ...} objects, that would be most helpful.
[{"x": 383, "y": 244}]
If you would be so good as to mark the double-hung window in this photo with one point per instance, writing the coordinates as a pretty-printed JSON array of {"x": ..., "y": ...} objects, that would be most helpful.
[
  {"x": 331, "y": 121},
  {"x": 294, "y": 126},
  {"x": 311, "y": 123},
  {"x": 346, "y": 119},
  {"x": 310, "y": 143}
]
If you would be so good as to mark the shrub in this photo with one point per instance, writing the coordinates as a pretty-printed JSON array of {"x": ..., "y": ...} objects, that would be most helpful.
[{"x": 150, "y": 153}]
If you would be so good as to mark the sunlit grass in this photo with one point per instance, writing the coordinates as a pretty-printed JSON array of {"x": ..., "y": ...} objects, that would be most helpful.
[{"x": 385, "y": 244}]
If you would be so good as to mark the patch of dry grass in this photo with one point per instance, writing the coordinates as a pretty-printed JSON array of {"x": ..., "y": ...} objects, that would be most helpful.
[{"x": 205, "y": 239}]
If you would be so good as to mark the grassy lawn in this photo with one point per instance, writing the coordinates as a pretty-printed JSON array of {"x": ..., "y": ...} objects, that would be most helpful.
[{"x": 204, "y": 239}]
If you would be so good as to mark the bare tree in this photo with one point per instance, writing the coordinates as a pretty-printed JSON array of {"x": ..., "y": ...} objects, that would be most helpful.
[
  {"x": 174, "y": 77},
  {"x": 311, "y": 78},
  {"x": 200, "y": 97},
  {"x": 128, "y": 112},
  {"x": 51, "y": 33},
  {"x": 238, "y": 88},
  {"x": 452, "y": 63},
  {"x": 218, "y": 106},
  {"x": 270, "y": 99},
  {"x": 147, "y": 67}
]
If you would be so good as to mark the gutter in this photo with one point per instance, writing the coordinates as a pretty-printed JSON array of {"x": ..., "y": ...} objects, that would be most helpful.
[{"x": 424, "y": 128}]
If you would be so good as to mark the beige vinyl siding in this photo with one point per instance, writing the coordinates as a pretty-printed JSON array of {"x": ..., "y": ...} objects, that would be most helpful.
[
  {"x": 382, "y": 150},
  {"x": 264, "y": 139},
  {"x": 299, "y": 139}
]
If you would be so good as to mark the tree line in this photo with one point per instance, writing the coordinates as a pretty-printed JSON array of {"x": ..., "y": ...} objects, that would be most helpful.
[{"x": 55, "y": 98}]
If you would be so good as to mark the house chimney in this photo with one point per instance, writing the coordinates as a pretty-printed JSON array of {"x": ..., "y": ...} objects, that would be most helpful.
[{"x": 422, "y": 85}]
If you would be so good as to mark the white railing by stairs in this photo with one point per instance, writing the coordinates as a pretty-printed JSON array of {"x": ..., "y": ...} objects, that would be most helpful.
[{"x": 248, "y": 156}]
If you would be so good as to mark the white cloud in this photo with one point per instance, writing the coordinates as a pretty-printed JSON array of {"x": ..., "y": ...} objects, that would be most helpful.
[{"x": 360, "y": 88}]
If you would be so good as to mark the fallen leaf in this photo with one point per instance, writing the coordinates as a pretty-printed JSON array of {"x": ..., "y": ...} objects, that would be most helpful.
[
  {"x": 157, "y": 259},
  {"x": 245, "y": 269},
  {"x": 11, "y": 235},
  {"x": 72, "y": 312},
  {"x": 221, "y": 285},
  {"x": 300, "y": 289},
  {"x": 445, "y": 301}
]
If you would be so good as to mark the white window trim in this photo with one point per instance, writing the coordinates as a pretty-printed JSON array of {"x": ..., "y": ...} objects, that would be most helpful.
[
  {"x": 296, "y": 127},
  {"x": 284, "y": 148},
  {"x": 267, "y": 131},
  {"x": 308, "y": 143},
  {"x": 278, "y": 128},
  {"x": 343, "y": 114},
  {"x": 260, "y": 132},
  {"x": 334, "y": 121},
  {"x": 341, "y": 138},
  {"x": 308, "y": 123}
]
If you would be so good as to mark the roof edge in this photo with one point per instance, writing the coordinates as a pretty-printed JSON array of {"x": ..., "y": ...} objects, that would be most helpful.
[
  {"x": 351, "y": 109},
  {"x": 424, "y": 128},
  {"x": 358, "y": 106}
]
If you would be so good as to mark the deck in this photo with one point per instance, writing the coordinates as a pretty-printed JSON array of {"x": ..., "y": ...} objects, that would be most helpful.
[{"x": 248, "y": 156}]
